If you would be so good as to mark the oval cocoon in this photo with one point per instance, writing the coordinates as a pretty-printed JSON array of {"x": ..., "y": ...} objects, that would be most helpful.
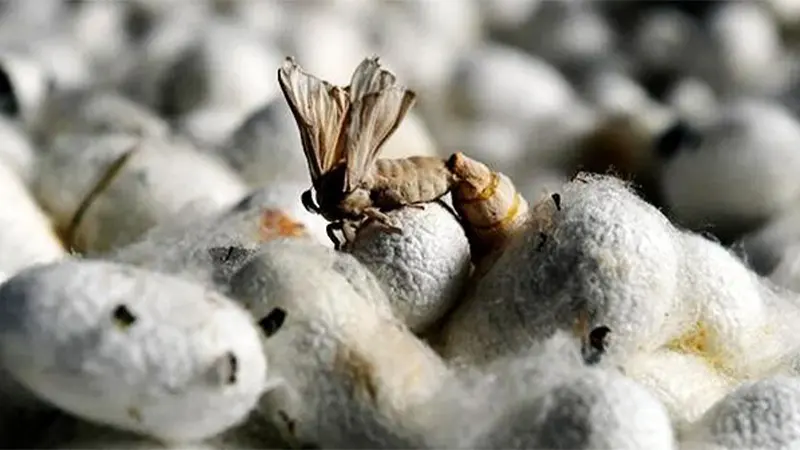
[
  {"x": 787, "y": 272},
  {"x": 210, "y": 127},
  {"x": 766, "y": 247},
  {"x": 528, "y": 90},
  {"x": 71, "y": 166},
  {"x": 326, "y": 40},
  {"x": 353, "y": 374},
  {"x": 424, "y": 268},
  {"x": 594, "y": 245},
  {"x": 224, "y": 67},
  {"x": 150, "y": 182},
  {"x": 595, "y": 410},
  {"x": 266, "y": 147},
  {"x": 547, "y": 397},
  {"x": 741, "y": 172},
  {"x": 761, "y": 414},
  {"x": 95, "y": 112},
  {"x": 137, "y": 350}
]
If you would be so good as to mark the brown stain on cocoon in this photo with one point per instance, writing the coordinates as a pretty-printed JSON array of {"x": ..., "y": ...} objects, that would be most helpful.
[
  {"x": 488, "y": 203},
  {"x": 274, "y": 223},
  {"x": 360, "y": 371}
]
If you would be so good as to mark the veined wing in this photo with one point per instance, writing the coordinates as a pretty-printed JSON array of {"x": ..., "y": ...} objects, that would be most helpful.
[
  {"x": 370, "y": 77},
  {"x": 319, "y": 108},
  {"x": 371, "y": 120}
]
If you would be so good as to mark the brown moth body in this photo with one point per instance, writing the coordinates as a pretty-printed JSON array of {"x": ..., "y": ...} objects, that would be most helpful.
[
  {"x": 488, "y": 203},
  {"x": 408, "y": 181},
  {"x": 342, "y": 130}
]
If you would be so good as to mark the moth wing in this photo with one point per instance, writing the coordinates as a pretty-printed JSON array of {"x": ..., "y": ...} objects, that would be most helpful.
[
  {"x": 319, "y": 108},
  {"x": 370, "y": 77},
  {"x": 371, "y": 121}
]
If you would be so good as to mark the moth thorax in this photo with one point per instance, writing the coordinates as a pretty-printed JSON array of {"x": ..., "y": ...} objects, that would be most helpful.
[{"x": 356, "y": 202}]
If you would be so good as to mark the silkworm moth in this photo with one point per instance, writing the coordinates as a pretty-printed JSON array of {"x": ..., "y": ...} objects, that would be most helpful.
[{"x": 342, "y": 130}]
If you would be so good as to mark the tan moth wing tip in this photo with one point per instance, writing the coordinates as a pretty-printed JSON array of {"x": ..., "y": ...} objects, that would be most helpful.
[
  {"x": 288, "y": 64},
  {"x": 368, "y": 63},
  {"x": 373, "y": 60},
  {"x": 382, "y": 112}
]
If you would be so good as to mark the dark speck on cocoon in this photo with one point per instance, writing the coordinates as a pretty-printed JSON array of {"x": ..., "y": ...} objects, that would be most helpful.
[{"x": 123, "y": 316}]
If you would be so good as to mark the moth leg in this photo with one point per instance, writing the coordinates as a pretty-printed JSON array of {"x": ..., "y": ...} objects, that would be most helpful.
[
  {"x": 308, "y": 202},
  {"x": 416, "y": 205},
  {"x": 350, "y": 230},
  {"x": 330, "y": 231},
  {"x": 380, "y": 217}
]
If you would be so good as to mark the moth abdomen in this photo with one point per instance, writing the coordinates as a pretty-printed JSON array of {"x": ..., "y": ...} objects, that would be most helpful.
[{"x": 417, "y": 179}]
